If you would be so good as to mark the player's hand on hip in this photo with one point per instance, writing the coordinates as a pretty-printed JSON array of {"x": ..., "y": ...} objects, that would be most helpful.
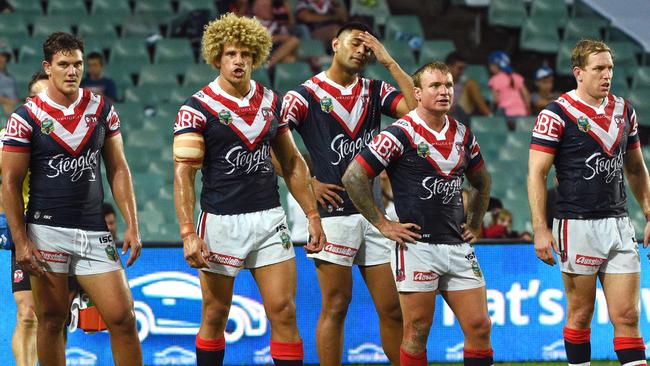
[
  {"x": 132, "y": 240},
  {"x": 317, "y": 239},
  {"x": 545, "y": 246},
  {"x": 470, "y": 235},
  {"x": 400, "y": 233},
  {"x": 195, "y": 251},
  {"x": 326, "y": 195},
  {"x": 29, "y": 258}
]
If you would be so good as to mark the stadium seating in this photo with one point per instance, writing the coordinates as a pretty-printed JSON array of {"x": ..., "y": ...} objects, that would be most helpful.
[
  {"x": 178, "y": 51},
  {"x": 641, "y": 77},
  {"x": 199, "y": 74},
  {"x": 64, "y": 7},
  {"x": 563, "y": 59},
  {"x": 400, "y": 51},
  {"x": 45, "y": 25},
  {"x": 310, "y": 48},
  {"x": 130, "y": 50},
  {"x": 552, "y": 10},
  {"x": 579, "y": 28},
  {"x": 436, "y": 50},
  {"x": 189, "y": 5},
  {"x": 507, "y": 13},
  {"x": 111, "y": 9},
  {"x": 98, "y": 27},
  {"x": 12, "y": 24},
  {"x": 289, "y": 76},
  {"x": 403, "y": 25},
  {"x": 540, "y": 35},
  {"x": 27, "y": 8},
  {"x": 379, "y": 11}
]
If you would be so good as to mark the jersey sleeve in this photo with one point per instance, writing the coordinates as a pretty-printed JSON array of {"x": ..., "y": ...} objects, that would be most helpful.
[
  {"x": 475, "y": 156},
  {"x": 18, "y": 134},
  {"x": 283, "y": 125},
  {"x": 384, "y": 149},
  {"x": 390, "y": 98},
  {"x": 113, "y": 122},
  {"x": 190, "y": 118},
  {"x": 633, "y": 140},
  {"x": 548, "y": 131},
  {"x": 295, "y": 109}
]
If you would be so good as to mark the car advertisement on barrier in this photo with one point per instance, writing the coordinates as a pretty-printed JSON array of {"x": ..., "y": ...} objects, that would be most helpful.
[{"x": 526, "y": 303}]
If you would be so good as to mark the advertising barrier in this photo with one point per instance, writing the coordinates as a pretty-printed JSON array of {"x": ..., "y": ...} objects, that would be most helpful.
[{"x": 525, "y": 301}]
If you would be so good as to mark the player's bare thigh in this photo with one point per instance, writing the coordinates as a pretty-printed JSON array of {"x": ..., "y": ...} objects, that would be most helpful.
[
  {"x": 216, "y": 291},
  {"x": 622, "y": 295},
  {"x": 111, "y": 294},
  {"x": 581, "y": 295}
]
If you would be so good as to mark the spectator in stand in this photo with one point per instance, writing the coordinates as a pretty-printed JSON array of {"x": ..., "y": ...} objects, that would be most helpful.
[
  {"x": 502, "y": 228},
  {"x": 277, "y": 18},
  {"x": 5, "y": 7},
  {"x": 509, "y": 93},
  {"x": 323, "y": 17},
  {"x": 95, "y": 81},
  {"x": 8, "y": 88},
  {"x": 468, "y": 100},
  {"x": 545, "y": 93}
]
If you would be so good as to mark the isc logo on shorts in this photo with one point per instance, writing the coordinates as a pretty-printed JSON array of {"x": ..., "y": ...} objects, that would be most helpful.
[
  {"x": 584, "y": 260},
  {"x": 424, "y": 276}
]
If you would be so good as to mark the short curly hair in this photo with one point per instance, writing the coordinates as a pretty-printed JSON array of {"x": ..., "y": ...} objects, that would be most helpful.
[{"x": 233, "y": 29}]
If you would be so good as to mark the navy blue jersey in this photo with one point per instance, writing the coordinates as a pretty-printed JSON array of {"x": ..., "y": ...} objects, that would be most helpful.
[
  {"x": 238, "y": 175},
  {"x": 65, "y": 146},
  {"x": 426, "y": 170},
  {"x": 336, "y": 122},
  {"x": 589, "y": 145}
]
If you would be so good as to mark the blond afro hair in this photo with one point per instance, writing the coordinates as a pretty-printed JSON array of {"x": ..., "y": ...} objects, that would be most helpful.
[{"x": 233, "y": 29}]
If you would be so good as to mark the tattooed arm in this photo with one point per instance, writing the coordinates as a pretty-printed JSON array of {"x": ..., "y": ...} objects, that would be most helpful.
[
  {"x": 478, "y": 202},
  {"x": 357, "y": 184}
]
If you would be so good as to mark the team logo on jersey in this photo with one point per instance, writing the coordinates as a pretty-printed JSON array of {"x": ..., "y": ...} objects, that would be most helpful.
[
  {"x": 326, "y": 104},
  {"x": 267, "y": 114},
  {"x": 47, "y": 127},
  {"x": 91, "y": 120},
  {"x": 583, "y": 124},
  {"x": 110, "y": 253},
  {"x": 364, "y": 100},
  {"x": 459, "y": 147},
  {"x": 423, "y": 149},
  {"x": 619, "y": 120},
  {"x": 225, "y": 117}
]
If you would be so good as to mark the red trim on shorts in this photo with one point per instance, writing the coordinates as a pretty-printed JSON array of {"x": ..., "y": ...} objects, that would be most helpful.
[
  {"x": 287, "y": 351},
  {"x": 409, "y": 359},
  {"x": 210, "y": 344},
  {"x": 621, "y": 343},
  {"x": 577, "y": 336},
  {"x": 203, "y": 218},
  {"x": 478, "y": 353},
  {"x": 565, "y": 236}
]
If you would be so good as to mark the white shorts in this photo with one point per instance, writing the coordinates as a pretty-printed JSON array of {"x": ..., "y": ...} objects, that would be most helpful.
[
  {"x": 248, "y": 240},
  {"x": 75, "y": 251},
  {"x": 602, "y": 245},
  {"x": 425, "y": 267},
  {"x": 353, "y": 240}
]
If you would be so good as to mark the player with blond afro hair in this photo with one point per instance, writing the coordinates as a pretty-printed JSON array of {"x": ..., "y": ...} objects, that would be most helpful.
[
  {"x": 233, "y": 29},
  {"x": 242, "y": 224}
]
